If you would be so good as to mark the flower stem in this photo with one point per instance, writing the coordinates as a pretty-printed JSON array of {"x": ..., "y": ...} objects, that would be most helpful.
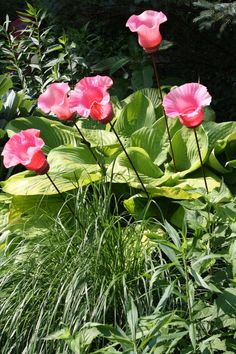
[
  {"x": 62, "y": 197},
  {"x": 130, "y": 161},
  {"x": 200, "y": 157},
  {"x": 86, "y": 142},
  {"x": 161, "y": 97}
]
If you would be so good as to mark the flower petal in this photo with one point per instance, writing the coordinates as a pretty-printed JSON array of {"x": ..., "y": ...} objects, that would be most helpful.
[{"x": 53, "y": 96}]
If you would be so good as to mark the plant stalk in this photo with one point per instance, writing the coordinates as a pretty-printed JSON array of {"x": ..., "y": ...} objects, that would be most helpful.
[
  {"x": 161, "y": 97},
  {"x": 62, "y": 197},
  {"x": 200, "y": 157},
  {"x": 85, "y": 141},
  {"x": 130, "y": 161}
]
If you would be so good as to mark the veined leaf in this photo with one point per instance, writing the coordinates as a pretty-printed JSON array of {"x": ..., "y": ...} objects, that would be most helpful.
[
  {"x": 138, "y": 113},
  {"x": 53, "y": 133},
  {"x": 70, "y": 168},
  {"x": 121, "y": 170},
  {"x": 185, "y": 149},
  {"x": 155, "y": 139}
]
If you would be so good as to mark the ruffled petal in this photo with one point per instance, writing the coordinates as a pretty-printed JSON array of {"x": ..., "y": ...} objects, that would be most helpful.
[
  {"x": 102, "y": 113},
  {"x": 88, "y": 92},
  {"x": 186, "y": 99},
  {"x": 147, "y": 26},
  {"x": 53, "y": 96},
  {"x": 21, "y": 148}
]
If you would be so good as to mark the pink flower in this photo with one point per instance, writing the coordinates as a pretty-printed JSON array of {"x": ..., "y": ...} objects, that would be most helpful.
[
  {"x": 90, "y": 98},
  {"x": 25, "y": 148},
  {"x": 147, "y": 26},
  {"x": 55, "y": 100},
  {"x": 187, "y": 102}
]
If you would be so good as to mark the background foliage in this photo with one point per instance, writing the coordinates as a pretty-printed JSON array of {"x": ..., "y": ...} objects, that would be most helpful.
[{"x": 140, "y": 276}]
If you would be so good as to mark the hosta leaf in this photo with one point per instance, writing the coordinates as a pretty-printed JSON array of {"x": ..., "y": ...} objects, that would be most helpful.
[
  {"x": 155, "y": 140},
  {"x": 53, "y": 133},
  {"x": 138, "y": 207},
  {"x": 190, "y": 188},
  {"x": 138, "y": 113},
  {"x": 218, "y": 131},
  {"x": 185, "y": 149},
  {"x": 70, "y": 168},
  {"x": 223, "y": 154},
  {"x": 67, "y": 160},
  {"x": 122, "y": 172}
]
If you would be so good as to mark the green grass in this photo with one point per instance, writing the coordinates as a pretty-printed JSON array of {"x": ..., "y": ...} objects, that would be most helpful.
[
  {"x": 182, "y": 283},
  {"x": 68, "y": 276}
]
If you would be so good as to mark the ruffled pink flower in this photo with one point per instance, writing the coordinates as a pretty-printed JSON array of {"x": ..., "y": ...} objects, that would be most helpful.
[
  {"x": 187, "y": 102},
  {"x": 55, "y": 100},
  {"x": 25, "y": 148},
  {"x": 147, "y": 26},
  {"x": 90, "y": 98}
]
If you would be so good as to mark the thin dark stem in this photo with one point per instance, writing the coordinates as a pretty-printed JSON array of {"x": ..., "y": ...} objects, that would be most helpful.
[
  {"x": 62, "y": 197},
  {"x": 86, "y": 142},
  {"x": 130, "y": 161},
  {"x": 200, "y": 157},
  {"x": 161, "y": 97}
]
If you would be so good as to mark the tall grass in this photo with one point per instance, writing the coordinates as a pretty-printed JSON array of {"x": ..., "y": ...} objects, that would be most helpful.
[
  {"x": 69, "y": 276},
  {"x": 181, "y": 282}
]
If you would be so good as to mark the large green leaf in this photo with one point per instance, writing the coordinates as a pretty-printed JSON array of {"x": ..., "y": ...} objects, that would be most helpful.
[
  {"x": 121, "y": 171},
  {"x": 70, "y": 168},
  {"x": 155, "y": 140},
  {"x": 218, "y": 131},
  {"x": 223, "y": 155},
  {"x": 53, "y": 133},
  {"x": 189, "y": 188},
  {"x": 185, "y": 149},
  {"x": 138, "y": 113},
  {"x": 31, "y": 215}
]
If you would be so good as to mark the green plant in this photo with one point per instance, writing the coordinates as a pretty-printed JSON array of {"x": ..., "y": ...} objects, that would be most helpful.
[
  {"x": 192, "y": 289},
  {"x": 33, "y": 56},
  {"x": 54, "y": 273}
]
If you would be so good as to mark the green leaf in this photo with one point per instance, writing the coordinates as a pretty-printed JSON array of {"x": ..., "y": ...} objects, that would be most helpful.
[
  {"x": 5, "y": 202},
  {"x": 53, "y": 133},
  {"x": 142, "y": 78},
  {"x": 5, "y": 84},
  {"x": 167, "y": 293},
  {"x": 121, "y": 171},
  {"x": 60, "y": 334},
  {"x": 190, "y": 188},
  {"x": 138, "y": 207},
  {"x": 226, "y": 302},
  {"x": 185, "y": 149},
  {"x": 70, "y": 168},
  {"x": 222, "y": 157},
  {"x": 218, "y": 131},
  {"x": 155, "y": 139},
  {"x": 132, "y": 319},
  {"x": 135, "y": 115},
  {"x": 111, "y": 64}
]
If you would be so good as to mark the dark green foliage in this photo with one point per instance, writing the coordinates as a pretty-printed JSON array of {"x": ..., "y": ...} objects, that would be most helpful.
[{"x": 220, "y": 14}]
